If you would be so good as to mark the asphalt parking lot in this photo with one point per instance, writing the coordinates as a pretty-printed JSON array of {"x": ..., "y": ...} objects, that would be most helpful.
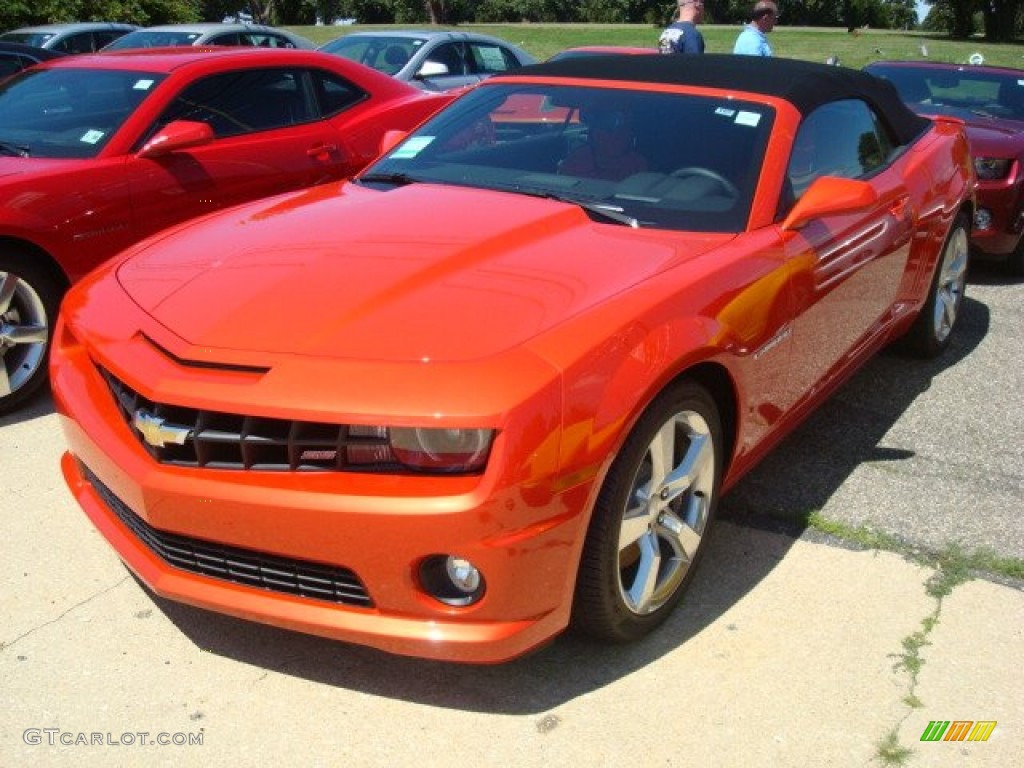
[{"x": 791, "y": 648}]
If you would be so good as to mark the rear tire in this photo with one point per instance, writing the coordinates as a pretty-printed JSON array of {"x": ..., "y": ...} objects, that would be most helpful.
[
  {"x": 651, "y": 518},
  {"x": 931, "y": 332},
  {"x": 29, "y": 300}
]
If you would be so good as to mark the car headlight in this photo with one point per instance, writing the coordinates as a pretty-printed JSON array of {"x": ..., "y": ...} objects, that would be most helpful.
[
  {"x": 441, "y": 450},
  {"x": 990, "y": 168}
]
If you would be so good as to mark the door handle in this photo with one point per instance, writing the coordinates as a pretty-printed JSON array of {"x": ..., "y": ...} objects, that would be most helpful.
[{"x": 322, "y": 151}]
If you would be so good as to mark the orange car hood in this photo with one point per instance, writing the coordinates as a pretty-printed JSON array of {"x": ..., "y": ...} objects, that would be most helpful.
[{"x": 422, "y": 271}]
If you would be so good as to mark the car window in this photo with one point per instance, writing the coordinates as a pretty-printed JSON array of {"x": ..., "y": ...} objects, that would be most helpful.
[
  {"x": 80, "y": 42},
  {"x": 236, "y": 103},
  {"x": 488, "y": 59},
  {"x": 266, "y": 40},
  {"x": 228, "y": 38},
  {"x": 105, "y": 37},
  {"x": 841, "y": 138},
  {"x": 70, "y": 112},
  {"x": 614, "y": 152},
  {"x": 450, "y": 55},
  {"x": 334, "y": 94}
]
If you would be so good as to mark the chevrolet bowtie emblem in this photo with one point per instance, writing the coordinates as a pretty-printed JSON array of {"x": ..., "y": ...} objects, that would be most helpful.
[{"x": 156, "y": 431}]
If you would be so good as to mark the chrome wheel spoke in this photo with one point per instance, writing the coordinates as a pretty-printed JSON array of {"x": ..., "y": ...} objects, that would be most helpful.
[
  {"x": 639, "y": 594},
  {"x": 664, "y": 521},
  {"x": 22, "y": 334},
  {"x": 8, "y": 284}
]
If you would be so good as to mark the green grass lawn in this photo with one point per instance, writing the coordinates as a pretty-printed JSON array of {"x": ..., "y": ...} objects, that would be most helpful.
[{"x": 813, "y": 44}]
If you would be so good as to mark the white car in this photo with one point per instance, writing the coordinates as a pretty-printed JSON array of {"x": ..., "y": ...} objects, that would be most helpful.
[
  {"x": 76, "y": 37},
  {"x": 430, "y": 59},
  {"x": 211, "y": 33}
]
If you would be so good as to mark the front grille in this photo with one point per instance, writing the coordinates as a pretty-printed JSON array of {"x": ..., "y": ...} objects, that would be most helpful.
[
  {"x": 191, "y": 437},
  {"x": 241, "y": 566}
]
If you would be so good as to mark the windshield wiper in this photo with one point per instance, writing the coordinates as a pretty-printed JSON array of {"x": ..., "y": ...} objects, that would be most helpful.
[
  {"x": 398, "y": 179},
  {"x": 604, "y": 210},
  {"x": 14, "y": 150}
]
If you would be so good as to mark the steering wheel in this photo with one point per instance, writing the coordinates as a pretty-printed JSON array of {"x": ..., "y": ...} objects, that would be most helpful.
[{"x": 707, "y": 173}]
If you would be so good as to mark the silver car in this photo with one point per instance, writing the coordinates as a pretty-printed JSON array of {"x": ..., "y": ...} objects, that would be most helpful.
[
  {"x": 431, "y": 60},
  {"x": 76, "y": 37},
  {"x": 212, "y": 33}
]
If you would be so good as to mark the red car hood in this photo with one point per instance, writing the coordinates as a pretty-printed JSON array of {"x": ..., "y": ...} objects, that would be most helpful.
[
  {"x": 423, "y": 271},
  {"x": 17, "y": 166}
]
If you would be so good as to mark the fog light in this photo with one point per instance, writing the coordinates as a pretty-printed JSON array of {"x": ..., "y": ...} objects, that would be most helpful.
[
  {"x": 451, "y": 579},
  {"x": 982, "y": 219}
]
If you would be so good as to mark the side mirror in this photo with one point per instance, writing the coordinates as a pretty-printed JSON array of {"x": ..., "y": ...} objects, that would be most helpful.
[
  {"x": 432, "y": 69},
  {"x": 390, "y": 140},
  {"x": 180, "y": 134},
  {"x": 830, "y": 196}
]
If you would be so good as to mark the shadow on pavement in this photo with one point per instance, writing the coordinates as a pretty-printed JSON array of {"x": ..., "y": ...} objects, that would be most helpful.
[
  {"x": 803, "y": 472},
  {"x": 737, "y": 559}
]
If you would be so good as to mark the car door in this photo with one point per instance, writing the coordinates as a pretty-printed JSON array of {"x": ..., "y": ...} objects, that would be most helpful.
[
  {"x": 270, "y": 137},
  {"x": 852, "y": 264}
]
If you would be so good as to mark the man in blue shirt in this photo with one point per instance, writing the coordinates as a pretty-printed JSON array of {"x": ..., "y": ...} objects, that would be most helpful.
[
  {"x": 683, "y": 36},
  {"x": 753, "y": 40}
]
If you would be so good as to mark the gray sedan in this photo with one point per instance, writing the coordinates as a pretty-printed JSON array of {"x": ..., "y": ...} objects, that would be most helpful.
[{"x": 432, "y": 60}]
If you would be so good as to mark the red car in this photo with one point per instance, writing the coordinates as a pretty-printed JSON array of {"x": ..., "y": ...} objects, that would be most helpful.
[
  {"x": 990, "y": 100},
  {"x": 99, "y": 151},
  {"x": 487, "y": 390}
]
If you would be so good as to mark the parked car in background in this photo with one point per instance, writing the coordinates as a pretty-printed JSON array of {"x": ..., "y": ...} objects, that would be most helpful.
[
  {"x": 496, "y": 384},
  {"x": 254, "y": 35},
  {"x": 15, "y": 57},
  {"x": 432, "y": 60},
  {"x": 98, "y": 151},
  {"x": 990, "y": 100},
  {"x": 75, "y": 37}
]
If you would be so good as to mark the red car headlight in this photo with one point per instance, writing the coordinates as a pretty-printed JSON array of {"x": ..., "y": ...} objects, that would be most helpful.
[
  {"x": 992, "y": 168},
  {"x": 446, "y": 450}
]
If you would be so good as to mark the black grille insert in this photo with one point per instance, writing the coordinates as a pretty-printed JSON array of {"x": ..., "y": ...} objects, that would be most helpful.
[
  {"x": 241, "y": 566},
  {"x": 190, "y": 437}
]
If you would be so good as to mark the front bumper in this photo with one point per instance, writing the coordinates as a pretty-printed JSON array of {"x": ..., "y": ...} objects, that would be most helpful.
[{"x": 294, "y": 533}]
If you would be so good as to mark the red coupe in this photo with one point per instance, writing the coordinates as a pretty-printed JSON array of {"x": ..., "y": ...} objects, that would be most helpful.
[
  {"x": 496, "y": 384},
  {"x": 98, "y": 151},
  {"x": 990, "y": 100}
]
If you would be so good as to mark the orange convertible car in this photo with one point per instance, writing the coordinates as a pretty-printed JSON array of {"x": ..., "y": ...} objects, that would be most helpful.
[{"x": 496, "y": 384}]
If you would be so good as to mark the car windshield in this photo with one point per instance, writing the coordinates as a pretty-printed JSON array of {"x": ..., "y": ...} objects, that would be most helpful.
[
  {"x": 649, "y": 159},
  {"x": 960, "y": 92},
  {"x": 146, "y": 38},
  {"x": 68, "y": 113},
  {"x": 385, "y": 53}
]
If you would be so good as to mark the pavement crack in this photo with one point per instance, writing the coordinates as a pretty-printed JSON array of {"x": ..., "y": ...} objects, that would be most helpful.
[
  {"x": 951, "y": 568},
  {"x": 5, "y": 644}
]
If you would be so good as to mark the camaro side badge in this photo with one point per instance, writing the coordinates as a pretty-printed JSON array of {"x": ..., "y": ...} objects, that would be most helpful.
[{"x": 156, "y": 431}]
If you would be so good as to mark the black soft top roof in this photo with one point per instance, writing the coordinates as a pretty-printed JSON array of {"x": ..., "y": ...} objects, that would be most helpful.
[{"x": 804, "y": 84}]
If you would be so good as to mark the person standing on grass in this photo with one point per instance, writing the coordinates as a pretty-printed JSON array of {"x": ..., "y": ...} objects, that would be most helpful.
[
  {"x": 753, "y": 40},
  {"x": 683, "y": 36}
]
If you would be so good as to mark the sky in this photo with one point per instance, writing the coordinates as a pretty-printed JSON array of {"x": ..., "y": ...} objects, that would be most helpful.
[{"x": 922, "y": 11}]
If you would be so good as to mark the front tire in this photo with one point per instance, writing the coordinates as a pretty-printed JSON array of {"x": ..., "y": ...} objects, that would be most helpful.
[
  {"x": 651, "y": 518},
  {"x": 29, "y": 300},
  {"x": 931, "y": 332}
]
